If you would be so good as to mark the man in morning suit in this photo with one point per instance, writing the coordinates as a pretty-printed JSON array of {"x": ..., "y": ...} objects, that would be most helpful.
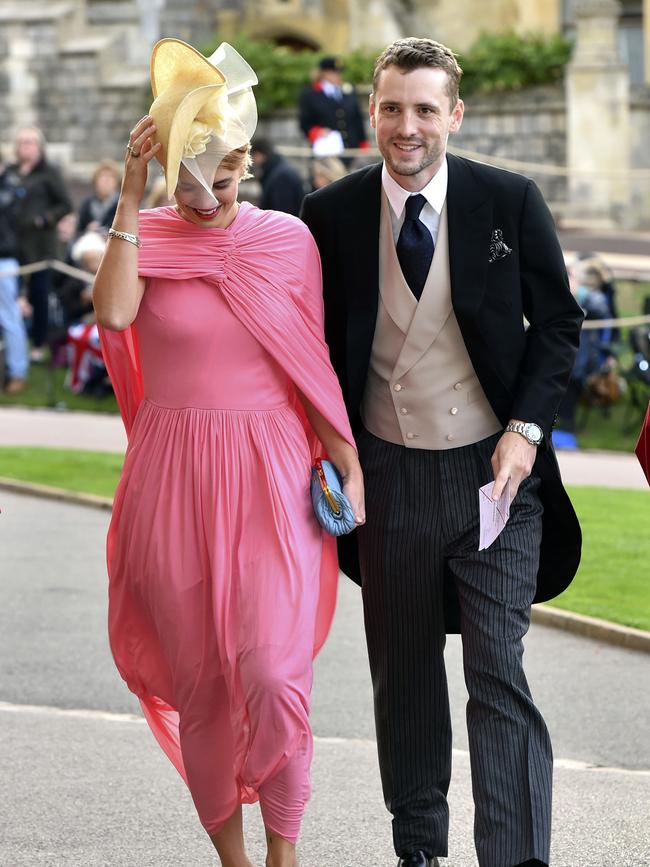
[
  {"x": 330, "y": 104},
  {"x": 431, "y": 265}
]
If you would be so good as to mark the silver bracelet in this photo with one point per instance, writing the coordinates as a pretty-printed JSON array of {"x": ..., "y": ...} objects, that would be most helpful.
[{"x": 125, "y": 236}]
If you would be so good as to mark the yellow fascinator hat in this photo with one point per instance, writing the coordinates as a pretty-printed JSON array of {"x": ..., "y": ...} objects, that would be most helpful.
[{"x": 203, "y": 107}]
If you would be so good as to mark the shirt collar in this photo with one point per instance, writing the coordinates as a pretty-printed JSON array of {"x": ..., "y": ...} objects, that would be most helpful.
[
  {"x": 330, "y": 89},
  {"x": 435, "y": 191}
]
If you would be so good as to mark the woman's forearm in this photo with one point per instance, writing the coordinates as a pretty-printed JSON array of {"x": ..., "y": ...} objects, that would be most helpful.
[
  {"x": 343, "y": 456},
  {"x": 117, "y": 290},
  {"x": 340, "y": 452}
]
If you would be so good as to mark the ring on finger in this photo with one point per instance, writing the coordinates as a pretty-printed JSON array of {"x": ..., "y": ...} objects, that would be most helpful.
[{"x": 131, "y": 151}]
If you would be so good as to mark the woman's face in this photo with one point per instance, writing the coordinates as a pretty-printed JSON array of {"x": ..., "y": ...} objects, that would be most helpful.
[
  {"x": 105, "y": 184},
  {"x": 28, "y": 146},
  {"x": 197, "y": 206}
]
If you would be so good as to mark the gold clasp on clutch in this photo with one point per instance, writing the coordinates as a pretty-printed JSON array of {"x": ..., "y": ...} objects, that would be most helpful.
[{"x": 334, "y": 506}]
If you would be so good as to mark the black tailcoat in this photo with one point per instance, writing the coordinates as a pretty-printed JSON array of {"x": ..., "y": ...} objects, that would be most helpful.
[
  {"x": 523, "y": 370},
  {"x": 318, "y": 109}
]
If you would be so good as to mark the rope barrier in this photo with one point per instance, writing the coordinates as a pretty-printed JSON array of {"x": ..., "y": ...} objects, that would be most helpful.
[
  {"x": 526, "y": 168},
  {"x": 87, "y": 277},
  {"x": 624, "y": 321},
  {"x": 54, "y": 265}
]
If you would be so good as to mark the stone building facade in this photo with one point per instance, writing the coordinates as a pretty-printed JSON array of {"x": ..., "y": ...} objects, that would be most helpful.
[{"x": 79, "y": 69}]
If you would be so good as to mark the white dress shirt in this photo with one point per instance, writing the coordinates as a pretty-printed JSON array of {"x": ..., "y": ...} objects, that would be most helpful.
[
  {"x": 331, "y": 90},
  {"x": 435, "y": 193}
]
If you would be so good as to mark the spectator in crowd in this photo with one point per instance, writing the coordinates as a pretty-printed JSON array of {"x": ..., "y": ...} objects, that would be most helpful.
[
  {"x": 605, "y": 283},
  {"x": 75, "y": 295},
  {"x": 42, "y": 200},
  {"x": 86, "y": 369},
  {"x": 12, "y": 326},
  {"x": 98, "y": 209},
  {"x": 66, "y": 235},
  {"x": 330, "y": 116},
  {"x": 282, "y": 186},
  {"x": 586, "y": 283},
  {"x": 327, "y": 170}
]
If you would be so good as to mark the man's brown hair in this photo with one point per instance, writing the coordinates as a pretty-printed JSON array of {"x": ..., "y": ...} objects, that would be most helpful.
[{"x": 412, "y": 53}]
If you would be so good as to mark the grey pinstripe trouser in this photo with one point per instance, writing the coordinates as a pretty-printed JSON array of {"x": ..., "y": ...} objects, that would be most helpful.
[{"x": 422, "y": 514}]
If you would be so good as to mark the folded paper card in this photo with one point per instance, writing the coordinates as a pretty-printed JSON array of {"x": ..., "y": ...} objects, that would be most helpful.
[{"x": 493, "y": 514}]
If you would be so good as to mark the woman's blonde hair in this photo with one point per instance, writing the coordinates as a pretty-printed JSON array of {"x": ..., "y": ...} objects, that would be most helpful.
[{"x": 239, "y": 160}]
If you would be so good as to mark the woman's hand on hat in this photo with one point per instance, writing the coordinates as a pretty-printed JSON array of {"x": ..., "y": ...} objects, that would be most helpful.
[{"x": 139, "y": 152}]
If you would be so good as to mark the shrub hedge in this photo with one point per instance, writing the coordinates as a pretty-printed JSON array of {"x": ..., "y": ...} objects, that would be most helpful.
[{"x": 495, "y": 63}]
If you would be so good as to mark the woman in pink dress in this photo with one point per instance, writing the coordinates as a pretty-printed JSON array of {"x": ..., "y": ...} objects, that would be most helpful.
[{"x": 222, "y": 584}]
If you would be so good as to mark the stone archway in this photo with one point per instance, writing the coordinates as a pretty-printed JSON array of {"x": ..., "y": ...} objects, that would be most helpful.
[{"x": 296, "y": 43}]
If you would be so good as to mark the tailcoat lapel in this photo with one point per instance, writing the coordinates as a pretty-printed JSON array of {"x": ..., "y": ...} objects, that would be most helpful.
[
  {"x": 361, "y": 242},
  {"x": 469, "y": 216},
  {"x": 360, "y": 223}
]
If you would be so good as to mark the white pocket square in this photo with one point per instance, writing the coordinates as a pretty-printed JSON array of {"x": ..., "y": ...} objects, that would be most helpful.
[{"x": 498, "y": 247}]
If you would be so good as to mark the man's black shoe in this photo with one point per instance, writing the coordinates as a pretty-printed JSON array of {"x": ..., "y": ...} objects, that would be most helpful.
[{"x": 418, "y": 859}]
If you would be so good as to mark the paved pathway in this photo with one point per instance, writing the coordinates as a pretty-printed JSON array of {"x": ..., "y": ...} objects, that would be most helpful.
[
  {"x": 83, "y": 783},
  {"x": 97, "y": 432}
]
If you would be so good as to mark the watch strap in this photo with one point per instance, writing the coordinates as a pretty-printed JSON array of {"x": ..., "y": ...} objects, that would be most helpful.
[{"x": 520, "y": 428}]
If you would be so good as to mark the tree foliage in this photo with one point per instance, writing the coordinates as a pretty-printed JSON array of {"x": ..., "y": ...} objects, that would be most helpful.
[
  {"x": 495, "y": 63},
  {"x": 499, "y": 62}
]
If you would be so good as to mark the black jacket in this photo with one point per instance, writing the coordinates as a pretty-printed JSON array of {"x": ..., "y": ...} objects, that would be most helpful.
[
  {"x": 42, "y": 200},
  {"x": 316, "y": 109},
  {"x": 8, "y": 239},
  {"x": 524, "y": 372},
  {"x": 92, "y": 210},
  {"x": 282, "y": 187}
]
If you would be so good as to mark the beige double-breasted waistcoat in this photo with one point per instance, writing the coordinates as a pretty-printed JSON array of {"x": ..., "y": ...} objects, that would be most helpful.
[{"x": 422, "y": 391}]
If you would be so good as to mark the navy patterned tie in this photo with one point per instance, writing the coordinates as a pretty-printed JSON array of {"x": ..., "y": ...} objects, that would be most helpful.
[{"x": 415, "y": 246}]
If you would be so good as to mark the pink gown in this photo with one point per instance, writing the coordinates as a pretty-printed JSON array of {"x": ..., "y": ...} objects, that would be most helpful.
[{"x": 222, "y": 585}]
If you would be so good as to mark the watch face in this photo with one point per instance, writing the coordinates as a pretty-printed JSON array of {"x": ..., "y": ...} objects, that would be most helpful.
[{"x": 533, "y": 433}]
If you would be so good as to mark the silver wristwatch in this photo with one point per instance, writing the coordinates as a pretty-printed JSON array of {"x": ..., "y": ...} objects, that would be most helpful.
[{"x": 531, "y": 431}]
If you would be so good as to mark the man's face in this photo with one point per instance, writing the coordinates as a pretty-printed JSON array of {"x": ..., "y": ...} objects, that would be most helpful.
[
  {"x": 411, "y": 114},
  {"x": 334, "y": 76}
]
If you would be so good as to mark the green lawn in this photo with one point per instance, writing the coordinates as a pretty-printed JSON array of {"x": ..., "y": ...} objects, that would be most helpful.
[
  {"x": 612, "y": 582},
  {"x": 45, "y": 388},
  {"x": 90, "y": 472},
  {"x": 617, "y": 431}
]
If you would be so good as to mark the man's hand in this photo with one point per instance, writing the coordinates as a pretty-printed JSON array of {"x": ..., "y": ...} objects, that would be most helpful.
[{"x": 513, "y": 459}]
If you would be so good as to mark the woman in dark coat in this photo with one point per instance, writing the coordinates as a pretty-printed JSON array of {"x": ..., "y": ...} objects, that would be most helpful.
[
  {"x": 42, "y": 200},
  {"x": 98, "y": 209}
]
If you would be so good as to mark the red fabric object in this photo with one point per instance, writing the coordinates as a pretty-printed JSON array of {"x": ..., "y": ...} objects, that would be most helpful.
[
  {"x": 83, "y": 348},
  {"x": 364, "y": 145},
  {"x": 315, "y": 133},
  {"x": 643, "y": 445}
]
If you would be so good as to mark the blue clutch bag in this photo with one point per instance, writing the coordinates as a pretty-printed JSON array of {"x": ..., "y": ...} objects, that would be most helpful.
[{"x": 333, "y": 509}]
